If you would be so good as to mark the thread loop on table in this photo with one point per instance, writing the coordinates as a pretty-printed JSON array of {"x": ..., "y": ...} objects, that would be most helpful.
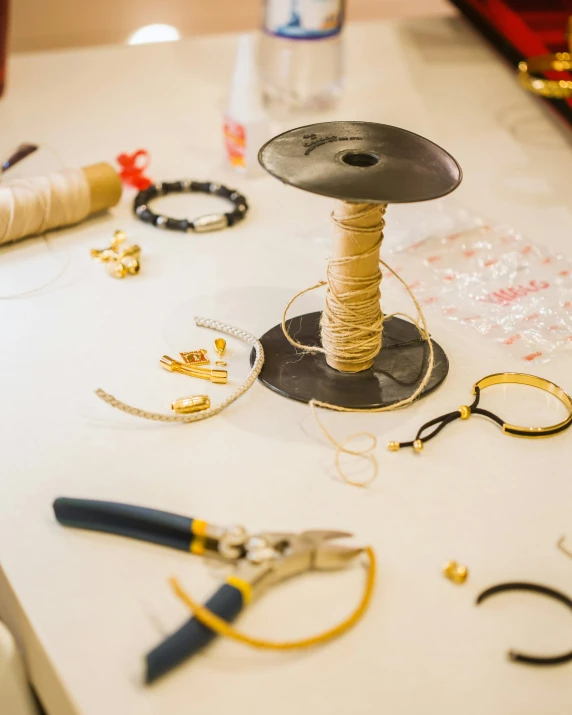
[{"x": 419, "y": 322}]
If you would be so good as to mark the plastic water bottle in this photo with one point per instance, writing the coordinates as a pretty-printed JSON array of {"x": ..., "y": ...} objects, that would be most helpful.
[{"x": 301, "y": 60}]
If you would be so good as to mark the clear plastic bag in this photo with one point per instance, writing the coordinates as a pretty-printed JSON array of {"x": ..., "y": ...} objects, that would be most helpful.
[{"x": 491, "y": 279}]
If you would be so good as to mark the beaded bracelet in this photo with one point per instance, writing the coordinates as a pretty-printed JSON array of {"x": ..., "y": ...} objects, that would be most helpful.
[{"x": 209, "y": 222}]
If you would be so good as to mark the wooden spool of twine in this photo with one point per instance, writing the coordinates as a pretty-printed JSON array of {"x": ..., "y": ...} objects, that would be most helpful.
[{"x": 352, "y": 320}]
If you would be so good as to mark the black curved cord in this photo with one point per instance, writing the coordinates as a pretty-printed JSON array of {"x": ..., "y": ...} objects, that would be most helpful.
[
  {"x": 514, "y": 655},
  {"x": 445, "y": 420}
]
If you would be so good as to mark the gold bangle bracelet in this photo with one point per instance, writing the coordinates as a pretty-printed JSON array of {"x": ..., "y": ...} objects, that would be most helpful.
[
  {"x": 552, "y": 88},
  {"x": 433, "y": 427},
  {"x": 517, "y": 378}
]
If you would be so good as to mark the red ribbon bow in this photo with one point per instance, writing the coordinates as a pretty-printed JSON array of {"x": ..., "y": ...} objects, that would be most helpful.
[{"x": 131, "y": 172}]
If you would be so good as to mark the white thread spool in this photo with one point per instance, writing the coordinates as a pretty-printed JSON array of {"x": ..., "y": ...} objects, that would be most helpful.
[{"x": 32, "y": 206}]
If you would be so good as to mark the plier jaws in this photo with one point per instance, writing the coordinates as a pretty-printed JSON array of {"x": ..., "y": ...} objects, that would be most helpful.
[{"x": 271, "y": 557}]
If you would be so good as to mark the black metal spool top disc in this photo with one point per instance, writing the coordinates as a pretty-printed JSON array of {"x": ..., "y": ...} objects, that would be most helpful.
[{"x": 361, "y": 162}]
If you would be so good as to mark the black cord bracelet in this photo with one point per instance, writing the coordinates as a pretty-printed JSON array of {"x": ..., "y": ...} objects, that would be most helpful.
[
  {"x": 202, "y": 224},
  {"x": 514, "y": 655},
  {"x": 465, "y": 411}
]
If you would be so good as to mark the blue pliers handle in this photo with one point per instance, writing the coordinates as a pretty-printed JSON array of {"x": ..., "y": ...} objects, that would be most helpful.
[{"x": 166, "y": 529}]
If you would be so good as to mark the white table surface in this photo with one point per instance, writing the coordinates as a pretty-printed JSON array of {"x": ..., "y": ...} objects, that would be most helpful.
[{"x": 87, "y": 606}]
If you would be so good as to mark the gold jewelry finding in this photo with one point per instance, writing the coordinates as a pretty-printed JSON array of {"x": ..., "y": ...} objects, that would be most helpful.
[
  {"x": 121, "y": 261},
  {"x": 196, "y": 357},
  {"x": 465, "y": 411},
  {"x": 393, "y": 446},
  {"x": 220, "y": 347},
  {"x": 417, "y": 446},
  {"x": 455, "y": 572},
  {"x": 517, "y": 378},
  {"x": 216, "y": 376},
  {"x": 554, "y": 89},
  {"x": 187, "y": 405}
]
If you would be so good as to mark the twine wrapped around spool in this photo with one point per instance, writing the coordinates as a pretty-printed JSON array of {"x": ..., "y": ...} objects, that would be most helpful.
[
  {"x": 350, "y": 355},
  {"x": 352, "y": 320},
  {"x": 32, "y": 206}
]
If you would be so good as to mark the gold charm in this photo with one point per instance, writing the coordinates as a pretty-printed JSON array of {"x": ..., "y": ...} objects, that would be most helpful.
[
  {"x": 120, "y": 261},
  {"x": 455, "y": 572},
  {"x": 220, "y": 347},
  {"x": 196, "y": 357}
]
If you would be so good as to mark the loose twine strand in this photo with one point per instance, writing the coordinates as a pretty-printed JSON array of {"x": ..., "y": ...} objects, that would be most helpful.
[
  {"x": 351, "y": 330},
  {"x": 211, "y": 412},
  {"x": 223, "y": 628}
]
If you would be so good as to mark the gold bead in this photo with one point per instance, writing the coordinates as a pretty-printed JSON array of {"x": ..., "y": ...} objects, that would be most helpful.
[
  {"x": 418, "y": 446},
  {"x": 465, "y": 412},
  {"x": 131, "y": 265},
  {"x": 393, "y": 446},
  {"x": 117, "y": 269},
  {"x": 456, "y": 572}
]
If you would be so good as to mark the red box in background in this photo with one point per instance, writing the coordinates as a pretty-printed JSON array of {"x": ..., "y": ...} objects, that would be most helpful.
[
  {"x": 524, "y": 28},
  {"x": 3, "y": 42}
]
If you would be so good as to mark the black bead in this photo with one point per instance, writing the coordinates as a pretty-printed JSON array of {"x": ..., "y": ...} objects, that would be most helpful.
[
  {"x": 140, "y": 199},
  {"x": 175, "y": 224},
  {"x": 224, "y": 193},
  {"x": 147, "y": 216},
  {"x": 204, "y": 186},
  {"x": 171, "y": 187}
]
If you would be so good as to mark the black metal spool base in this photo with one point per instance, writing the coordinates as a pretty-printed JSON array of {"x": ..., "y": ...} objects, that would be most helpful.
[{"x": 397, "y": 371}]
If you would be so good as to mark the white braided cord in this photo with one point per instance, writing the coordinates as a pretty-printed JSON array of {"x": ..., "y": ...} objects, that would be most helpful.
[{"x": 211, "y": 412}]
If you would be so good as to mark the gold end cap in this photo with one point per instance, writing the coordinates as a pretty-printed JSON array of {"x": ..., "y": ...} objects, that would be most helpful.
[
  {"x": 168, "y": 363},
  {"x": 219, "y": 377},
  {"x": 455, "y": 572},
  {"x": 104, "y": 186}
]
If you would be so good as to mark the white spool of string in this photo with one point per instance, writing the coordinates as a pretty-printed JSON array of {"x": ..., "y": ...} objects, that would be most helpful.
[{"x": 33, "y": 206}]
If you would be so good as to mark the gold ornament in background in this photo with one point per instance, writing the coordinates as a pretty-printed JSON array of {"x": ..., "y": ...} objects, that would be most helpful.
[
  {"x": 120, "y": 260},
  {"x": 559, "y": 62}
]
